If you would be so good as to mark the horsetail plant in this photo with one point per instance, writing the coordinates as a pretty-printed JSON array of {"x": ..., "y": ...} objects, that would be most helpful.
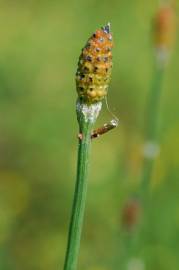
[
  {"x": 134, "y": 214},
  {"x": 164, "y": 36},
  {"x": 92, "y": 80}
]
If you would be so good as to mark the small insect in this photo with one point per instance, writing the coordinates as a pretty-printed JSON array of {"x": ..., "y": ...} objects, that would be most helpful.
[
  {"x": 94, "y": 66},
  {"x": 104, "y": 129}
]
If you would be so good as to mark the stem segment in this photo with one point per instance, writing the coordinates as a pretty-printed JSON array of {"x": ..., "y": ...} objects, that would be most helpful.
[
  {"x": 87, "y": 115},
  {"x": 151, "y": 129}
]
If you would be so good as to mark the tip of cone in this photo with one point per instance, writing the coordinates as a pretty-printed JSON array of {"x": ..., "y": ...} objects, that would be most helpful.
[{"x": 107, "y": 28}]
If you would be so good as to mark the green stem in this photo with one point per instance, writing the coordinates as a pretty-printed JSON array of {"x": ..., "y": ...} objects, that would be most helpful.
[
  {"x": 87, "y": 115},
  {"x": 153, "y": 106},
  {"x": 151, "y": 128},
  {"x": 130, "y": 241}
]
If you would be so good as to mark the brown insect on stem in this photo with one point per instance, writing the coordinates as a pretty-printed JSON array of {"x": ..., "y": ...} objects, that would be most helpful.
[{"x": 104, "y": 129}]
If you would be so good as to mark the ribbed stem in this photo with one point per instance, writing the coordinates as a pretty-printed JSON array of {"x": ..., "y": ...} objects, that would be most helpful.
[
  {"x": 87, "y": 115},
  {"x": 79, "y": 198}
]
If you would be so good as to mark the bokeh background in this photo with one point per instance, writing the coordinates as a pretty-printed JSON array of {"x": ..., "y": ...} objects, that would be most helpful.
[{"x": 39, "y": 49}]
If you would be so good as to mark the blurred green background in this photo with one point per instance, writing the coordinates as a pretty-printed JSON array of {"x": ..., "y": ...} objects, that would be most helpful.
[{"x": 39, "y": 49}]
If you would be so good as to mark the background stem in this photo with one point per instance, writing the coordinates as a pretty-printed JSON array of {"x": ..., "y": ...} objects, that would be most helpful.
[
  {"x": 76, "y": 223},
  {"x": 151, "y": 126},
  {"x": 130, "y": 240}
]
